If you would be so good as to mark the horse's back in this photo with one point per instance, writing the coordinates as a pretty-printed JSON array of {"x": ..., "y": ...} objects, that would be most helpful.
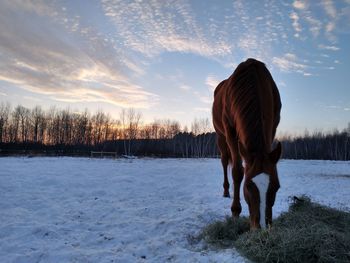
[{"x": 250, "y": 100}]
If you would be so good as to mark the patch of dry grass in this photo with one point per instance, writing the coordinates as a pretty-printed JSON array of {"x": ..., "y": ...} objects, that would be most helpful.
[
  {"x": 308, "y": 232},
  {"x": 224, "y": 234}
]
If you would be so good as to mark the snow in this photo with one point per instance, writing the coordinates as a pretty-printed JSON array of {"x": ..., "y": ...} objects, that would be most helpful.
[{"x": 134, "y": 210}]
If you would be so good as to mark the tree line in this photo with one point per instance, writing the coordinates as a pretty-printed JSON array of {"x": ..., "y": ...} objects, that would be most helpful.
[
  {"x": 333, "y": 145},
  {"x": 66, "y": 132}
]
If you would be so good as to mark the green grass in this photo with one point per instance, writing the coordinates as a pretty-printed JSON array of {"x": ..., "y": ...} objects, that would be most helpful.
[{"x": 308, "y": 232}]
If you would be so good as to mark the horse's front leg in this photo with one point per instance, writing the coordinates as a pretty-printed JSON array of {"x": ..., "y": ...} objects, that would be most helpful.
[{"x": 270, "y": 200}]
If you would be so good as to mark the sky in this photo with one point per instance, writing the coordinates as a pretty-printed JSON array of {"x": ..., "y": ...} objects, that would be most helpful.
[{"x": 165, "y": 58}]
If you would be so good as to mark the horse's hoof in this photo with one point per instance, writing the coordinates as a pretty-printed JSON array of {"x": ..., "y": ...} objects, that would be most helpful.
[
  {"x": 227, "y": 195},
  {"x": 235, "y": 215}
]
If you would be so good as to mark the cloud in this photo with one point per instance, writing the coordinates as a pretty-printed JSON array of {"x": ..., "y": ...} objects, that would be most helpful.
[
  {"x": 329, "y": 8},
  {"x": 282, "y": 84},
  {"x": 330, "y": 26},
  {"x": 212, "y": 82},
  {"x": 298, "y": 4},
  {"x": 185, "y": 87},
  {"x": 325, "y": 47},
  {"x": 315, "y": 24},
  {"x": 335, "y": 107},
  {"x": 151, "y": 28},
  {"x": 154, "y": 27},
  {"x": 331, "y": 11},
  {"x": 59, "y": 51},
  {"x": 344, "y": 19},
  {"x": 295, "y": 18},
  {"x": 290, "y": 63},
  {"x": 207, "y": 99},
  {"x": 40, "y": 52},
  {"x": 3, "y": 94},
  {"x": 175, "y": 43}
]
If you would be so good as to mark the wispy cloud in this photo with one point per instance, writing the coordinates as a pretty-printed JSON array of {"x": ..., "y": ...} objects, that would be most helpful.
[
  {"x": 157, "y": 26},
  {"x": 331, "y": 11},
  {"x": 207, "y": 99},
  {"x": 334, "y": 107},
  {"x": 152, "y": 28},
  {"x": 315, "y": 24},
  {"x": 329, "y": 8},
  {"x": 299, "y": 4},
  {"x": 296, "y": 25},
  {"x": 325, "y": 17},
  {"x": 281, "y": 84},
  {"x": 51, "y": 48},
  {"x": 290, "y": 63},
  {"x": 185, "y": 87},
  {"x": 325, "y": 47},
  {"x": 212, "y": 82},
  {"x": 36, "y": 56}
]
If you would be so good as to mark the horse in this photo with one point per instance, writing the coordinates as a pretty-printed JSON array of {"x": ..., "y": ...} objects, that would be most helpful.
[{"x": 246, "y": 113}]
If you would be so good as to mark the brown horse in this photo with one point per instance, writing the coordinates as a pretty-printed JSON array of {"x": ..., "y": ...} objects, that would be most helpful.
[{"x": 246, "y": 113}]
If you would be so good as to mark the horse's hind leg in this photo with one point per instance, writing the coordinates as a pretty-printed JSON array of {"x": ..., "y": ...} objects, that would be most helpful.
[
  {"x": 225, "y": 156},
  {"x": 237, "y": 176},
  {"x": 226, "y": 184},
  {"x": 237, "y": 170}
]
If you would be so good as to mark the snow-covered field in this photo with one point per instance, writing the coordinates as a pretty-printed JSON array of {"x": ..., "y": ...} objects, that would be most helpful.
[{"x": 141, "y": 210}]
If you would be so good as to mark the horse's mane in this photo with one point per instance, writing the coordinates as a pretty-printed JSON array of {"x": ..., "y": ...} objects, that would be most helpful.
[{"x": 244, "y": 94}]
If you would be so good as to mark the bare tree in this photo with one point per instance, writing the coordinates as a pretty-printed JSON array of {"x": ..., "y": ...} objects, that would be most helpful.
[
  {"x": 38, "y": 123},
  {"x": 155, "y": 129},
  {"x": 133, "y": 119},
  {"x": 124, "y": 131},
  {"x": 98, "y": 122},
  {"x": 199, "y": 128},
  {"x": 50, "y": 120},
  {"x": 107, "y": 127},
  {"x": 21, "y": 123},
  {"x": 4, "y": 116}
]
